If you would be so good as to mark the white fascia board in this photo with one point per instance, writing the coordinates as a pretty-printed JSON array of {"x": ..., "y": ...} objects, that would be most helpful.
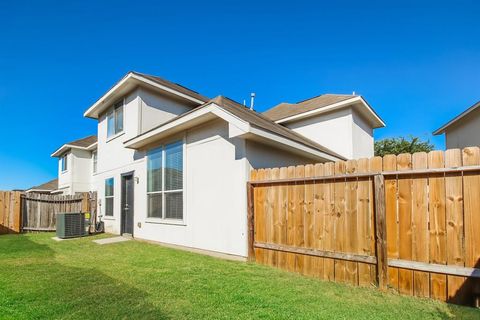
[
  {"x": 444, "y": 128},
  {"x": 129, "y": 77},
  {"x": 376, "y": 119},
  {"x": 164, "y": 88},
  {"x": 213, "y": 109},
  {"x": 37, "y": 190},
  {"x": 66, "y": 147},
  {"x": 293, "y": 144}
]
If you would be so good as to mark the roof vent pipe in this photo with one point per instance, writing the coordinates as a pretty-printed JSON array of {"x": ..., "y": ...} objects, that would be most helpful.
[{"x": 252, "y": 100}]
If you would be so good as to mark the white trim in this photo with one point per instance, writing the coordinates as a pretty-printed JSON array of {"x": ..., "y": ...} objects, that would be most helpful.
[
  {"x": 331, "y": 107},
  {"x": 115, "y": 136},
  {"x": 93, "y": 111},
  {"x": 161, "y": 132},
  {"x": 67, "y": 146},
  {"x": 462, "y": 115},
  {"x": 293, "y": 144}
]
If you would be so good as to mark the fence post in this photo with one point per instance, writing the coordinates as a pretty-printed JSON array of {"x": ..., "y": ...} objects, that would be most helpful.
[
  {"x": 380, "y": 231},
  {"x": 250, "y": 217}
]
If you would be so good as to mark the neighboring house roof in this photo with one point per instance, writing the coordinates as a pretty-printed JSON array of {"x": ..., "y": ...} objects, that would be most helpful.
[
  {"x": 443, "y": 128},
  {"x": 258, "y": 124},
  {"x": 87, "y": 143},
  {"x": 285, "y": 112},
  {"x": 134, "y": 79},
  {"x": 45, "y": 187}
]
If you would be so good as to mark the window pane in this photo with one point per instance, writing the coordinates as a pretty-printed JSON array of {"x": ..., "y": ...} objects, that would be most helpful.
[
  {"x": 155, "y": 205},
  {"x": 174, "y": 205},
  {"x": 174, "y": 166},
  {"x": 109, "y": 206},
  {"x": 110, "y": 124},
  {"x": 154, "y": 170},
  {"x": 64, "y": 163},
  {"x": 109, "y": 187},
  {"x": 119, "y": 119}
]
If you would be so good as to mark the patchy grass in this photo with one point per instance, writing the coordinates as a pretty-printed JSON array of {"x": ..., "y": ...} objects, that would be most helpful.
[{"x": 77, "y": 279}]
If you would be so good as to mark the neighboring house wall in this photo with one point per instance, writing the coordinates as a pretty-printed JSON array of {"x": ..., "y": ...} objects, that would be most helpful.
[
  {"x": 78, "y": 176},
  {"x": 81, "y": 171},
  {"x": 464, "y": 133},
  {"x": 65, "y": 177},
  {"x": 156, "y": 109}
]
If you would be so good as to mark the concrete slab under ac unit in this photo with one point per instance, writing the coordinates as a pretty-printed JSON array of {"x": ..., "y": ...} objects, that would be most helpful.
[{"x": 111, "y": 240}]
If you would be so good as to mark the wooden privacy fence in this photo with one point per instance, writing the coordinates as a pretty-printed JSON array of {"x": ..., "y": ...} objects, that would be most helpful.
[
  {"x": 10, "y": 221},
  {"x": 37, "y": 212},
  {"x": 407, "y": 222}
]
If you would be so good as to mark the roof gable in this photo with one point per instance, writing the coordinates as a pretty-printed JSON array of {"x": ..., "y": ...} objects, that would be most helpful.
[
  {"x": 455, "y": 120},
  {"x": 83, "y": 143},
  {"x": 285, "y": 110},
  {"x": 248, "y": 117},
  {"x": 134, "y": 79}
]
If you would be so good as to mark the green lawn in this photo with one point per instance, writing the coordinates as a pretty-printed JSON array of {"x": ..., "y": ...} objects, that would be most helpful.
[{"x": 77, "y": 279}]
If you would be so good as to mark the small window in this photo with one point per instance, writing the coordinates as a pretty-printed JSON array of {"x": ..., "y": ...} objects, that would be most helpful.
[
  {"x": 109, "y": 191},
  {"x": 64, "y": 162},
  {"x": 165, "y": 181},
  {"x": 94, "y": 161},
  {"x": 115, "y": 119}
]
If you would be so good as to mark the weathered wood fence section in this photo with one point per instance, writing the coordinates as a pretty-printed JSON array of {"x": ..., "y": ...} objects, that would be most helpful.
[
  {"x": 37, "y": 212},
  {"x": 407, "y": 222},
  {"x": 10, "y": 212}
]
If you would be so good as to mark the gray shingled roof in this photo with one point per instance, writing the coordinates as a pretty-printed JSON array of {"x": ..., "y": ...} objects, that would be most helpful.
[
  {"x": 84, "y": 142},
  {"x": 174, "y": 86},
  {"x": 50, "y": 185},
  {"x": 285, "y": 110},
  {"x": 257, "y": 120}
]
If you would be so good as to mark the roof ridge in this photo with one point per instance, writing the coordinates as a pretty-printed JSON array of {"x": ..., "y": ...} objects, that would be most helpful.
[
  {"x": 328, "y": 94},
  {"x": 164, "y": 79}
]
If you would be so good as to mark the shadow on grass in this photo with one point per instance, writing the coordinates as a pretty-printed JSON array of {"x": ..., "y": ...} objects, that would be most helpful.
[{"x": 39, "y": 287}]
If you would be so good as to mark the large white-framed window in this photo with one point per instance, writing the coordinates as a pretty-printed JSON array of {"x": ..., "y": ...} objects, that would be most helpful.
[
  {"x": 115, "y": 119},
  {"x": 165, "y": 166},
  {"x": 64, "y": 162},
  {"x": 109, "y": 196},
  {"x": 94, "y": 161}
]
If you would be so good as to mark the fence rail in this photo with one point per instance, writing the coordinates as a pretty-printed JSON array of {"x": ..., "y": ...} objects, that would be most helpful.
[{"x": 407, "y": 222}]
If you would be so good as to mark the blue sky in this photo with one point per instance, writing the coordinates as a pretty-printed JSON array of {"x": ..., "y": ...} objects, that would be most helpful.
[{"x": 416, "y": 62}]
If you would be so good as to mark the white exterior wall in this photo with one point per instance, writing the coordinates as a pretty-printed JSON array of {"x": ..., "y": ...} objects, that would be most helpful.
[
  {"x": 260, "y": 155},
  {"x": 465, "y": 133},
  {"x": 214, "y": 195},
  {"x": 362, "y": 137},
  {"x": 114, "y": 159},
  {"x": 78, "y": 176},
  {"x": 155, "y": 107},
  {"x": 343, "y": 131},
  {"x": 332, "y": 130},
  {"x": 65, "y": 177}
]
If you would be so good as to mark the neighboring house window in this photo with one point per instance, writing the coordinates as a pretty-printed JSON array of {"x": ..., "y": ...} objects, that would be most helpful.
[
  {"x": 165, "y": 181},
  {"x": 109, "y": 197},
  {"x": 115, "y": 119},
  {"x": 94, "y": 161},
  {"x": 64, "y": 162}
]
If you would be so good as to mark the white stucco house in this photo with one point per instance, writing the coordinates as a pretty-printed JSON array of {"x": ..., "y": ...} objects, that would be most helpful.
[
  {"x": 171, "y": 165},
  {"x": 463, "y": 130}
]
